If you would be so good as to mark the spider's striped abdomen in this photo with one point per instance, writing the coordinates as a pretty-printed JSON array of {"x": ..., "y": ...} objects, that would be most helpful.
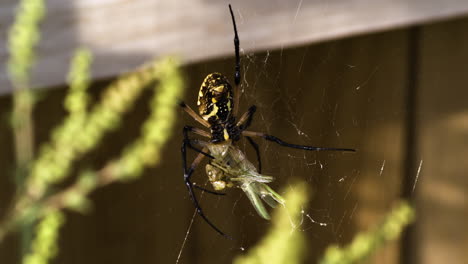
[{"x": 215, "y": 100}]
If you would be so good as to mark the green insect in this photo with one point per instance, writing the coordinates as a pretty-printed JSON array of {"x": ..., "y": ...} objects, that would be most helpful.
[{"x": 228, "y": 166}]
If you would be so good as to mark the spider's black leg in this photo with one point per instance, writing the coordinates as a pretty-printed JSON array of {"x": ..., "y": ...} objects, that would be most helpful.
[
  {"x": 246, "y": 119},
  {"x": 237, "y": 74},
  {"x": 187, "y": 175},
  {"x": 257, "y": 151},
  {"x": 282, "y": 143},
  {"x": 188, "y": 143},
  {"x": 208, "y": 191},
  {"x": 244, "y": 122}
]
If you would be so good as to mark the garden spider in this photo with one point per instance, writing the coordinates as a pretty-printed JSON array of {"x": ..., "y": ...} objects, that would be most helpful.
[{"x": 218, "y": 106}]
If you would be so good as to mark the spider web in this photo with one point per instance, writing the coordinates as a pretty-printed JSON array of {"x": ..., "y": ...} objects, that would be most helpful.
[{"x": 317, "y": 95}]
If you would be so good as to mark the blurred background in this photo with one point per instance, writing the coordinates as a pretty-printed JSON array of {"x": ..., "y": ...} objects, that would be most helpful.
[{"x": 386, "y": 78}]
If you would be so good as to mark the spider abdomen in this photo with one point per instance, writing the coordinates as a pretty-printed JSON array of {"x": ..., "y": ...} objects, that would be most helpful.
[{"x": 215, "y": 99}]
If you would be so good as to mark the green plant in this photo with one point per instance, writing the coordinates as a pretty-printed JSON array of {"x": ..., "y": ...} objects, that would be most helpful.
[
  {"x": 364, "y": 244},
  {"x": 285, "y": 243},
  {"x": 79, "y": 133}
]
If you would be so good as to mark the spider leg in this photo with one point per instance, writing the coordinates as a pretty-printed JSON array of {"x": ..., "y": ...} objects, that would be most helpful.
[
  {"x": 188, "y": 142},
  {"x": 246, "y": 119},
  {"x": 244, "y": 122},
  {"x": 257, "y": 151},
  {"x": 199, "y": 131},
  {"x": 187, "y": 176},
  {"x": 208, "y": 191},
  {"x": 285, "y": 144},
  {"x": 237, "y": 74},
  {"x": 194, "y": 115}
]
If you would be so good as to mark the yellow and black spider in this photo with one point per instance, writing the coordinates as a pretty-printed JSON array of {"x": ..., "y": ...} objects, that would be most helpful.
[{"x": 218, "y": 106}]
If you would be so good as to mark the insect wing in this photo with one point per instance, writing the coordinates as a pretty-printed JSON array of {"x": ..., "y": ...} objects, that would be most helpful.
[
  {"x": 255, "y": 200},
  {"x": 257, "y": 190}
]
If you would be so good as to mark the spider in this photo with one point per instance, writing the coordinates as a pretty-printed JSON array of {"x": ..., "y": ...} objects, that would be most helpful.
[{"x": 218, "y": 107}]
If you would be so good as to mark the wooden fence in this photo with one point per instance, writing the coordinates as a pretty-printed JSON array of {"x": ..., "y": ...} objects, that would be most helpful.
[{"x": 397, "y": 96}]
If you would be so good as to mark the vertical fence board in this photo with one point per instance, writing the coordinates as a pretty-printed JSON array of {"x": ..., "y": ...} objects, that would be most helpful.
[{"x": 442, "y": 119}]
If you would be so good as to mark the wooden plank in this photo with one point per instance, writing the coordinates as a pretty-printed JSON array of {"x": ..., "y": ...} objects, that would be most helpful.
[
  {"x": 123, "y": 34},
  {"x": 9, "y": 248},
  {"x": 442, "y": 125}
]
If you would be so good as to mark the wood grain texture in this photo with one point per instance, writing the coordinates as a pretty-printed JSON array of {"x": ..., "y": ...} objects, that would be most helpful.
[
  {"x": 442, "y": 144},
  {"x": 123, "y": 34}
]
